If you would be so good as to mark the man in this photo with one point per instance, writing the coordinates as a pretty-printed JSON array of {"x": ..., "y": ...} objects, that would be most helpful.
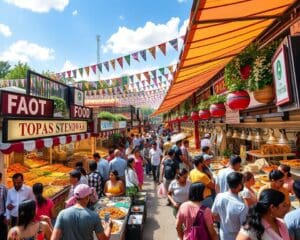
[
  {"x": 94, "y": 178},
  {"x": 3, "y": 196},
  {"x": 221, "y": 180},
  {"x": 78, "y": 222},
  {"x": 179, "y": 158},
  {"x": 155, "y": 156},
  {"x": 167, "y": 145},
  {"x": 16, "y": 195},
  {"x": 229, "y": 208},
  {"x": 206, "y": 141},
  {"x": 198, "y": 175},
  {"x": 111, "y": 155},
  {"x": 292, "y": 219},
  {"x": 74, "y": 178},
  {"x": 187, "y": 164},
  {"x": 146, "y": 156},
  {"x": 102, "y": 166},
  {"x": 118, "y": 164}
]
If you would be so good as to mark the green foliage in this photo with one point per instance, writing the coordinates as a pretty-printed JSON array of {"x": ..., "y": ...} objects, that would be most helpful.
[
  {"x": 115, "y": 140},
  {"x": 187, "y": 106},
  {"x": 261, "y": 74},
  {"x": 19, "y": 71},
  {"x": 217, "y": 99},
  {"x": 120, "y": 117},
  {"x": 4, "y": 68},
  {"x": 204, "y": 105},
  {"x": 107, "y": 116},
  {"x": 226, "y": 153},
  {"x": 59, "y": 104}
]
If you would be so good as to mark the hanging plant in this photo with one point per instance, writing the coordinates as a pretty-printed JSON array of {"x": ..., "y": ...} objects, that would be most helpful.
[
  {"x": 217, "y": 108},
  {"x": 204, "y": 113}
]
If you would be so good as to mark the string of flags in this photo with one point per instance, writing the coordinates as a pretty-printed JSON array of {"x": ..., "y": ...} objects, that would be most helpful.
[{"x": 111, "y": 64}]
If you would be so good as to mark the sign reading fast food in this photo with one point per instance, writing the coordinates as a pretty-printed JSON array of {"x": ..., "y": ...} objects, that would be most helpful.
[
  {"x": 21, "y": 129},
  {"x": 77, "y": 111},
  {"x": 16, "y": 104}
]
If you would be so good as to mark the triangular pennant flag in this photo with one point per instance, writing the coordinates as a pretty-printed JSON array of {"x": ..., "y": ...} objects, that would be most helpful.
[
  {"x": 153, "y": 72},
  {"x": 174, "y": 44},
  {"x": 170, "y": 68},
  {"x": 87, "y": 69},
  {"x": 162, "y": 71},
  {"x": 143, "y": 82},
  {"x": 138, "y": 75},
  {"x": 131, "y": 78},
  {"x": 152, "y": 50},
  {"x": 94, "y": 68},
  {"x": 74, "y": 73},
  {"x": 166, "y": 76},
  {"x": 99, "y": 65},
  {"x": 69, "y": 73},
  {"x": 87, "y": 86},
  {"x": 147, "y": 75},
  {"x": 106, "y": 65},
  {"x": 162, "y": 47},
  {"x": 80, "y": 71},
  {"x": 143, "y": 54},
  {"x": 127, "y": 58},
  {"x": 113, "y": 63},
  {"x": 120, "y": 61},
  {"x": 135, "y": 56},
  {"x": 182, "y": 37}
]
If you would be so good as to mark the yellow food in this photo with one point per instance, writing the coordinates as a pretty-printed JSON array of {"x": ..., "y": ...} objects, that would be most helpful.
[{"x": 115, "y": 213}]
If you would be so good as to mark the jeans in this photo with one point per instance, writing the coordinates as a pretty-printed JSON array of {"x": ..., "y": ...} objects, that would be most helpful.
[
  {"x": 3, "y": 228},
  {"x": 155, "y": 172},
  {"x": 148, "y": 166}
]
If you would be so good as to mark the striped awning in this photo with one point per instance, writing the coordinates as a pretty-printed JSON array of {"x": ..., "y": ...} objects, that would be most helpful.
[{"x": 218, "y": 31}]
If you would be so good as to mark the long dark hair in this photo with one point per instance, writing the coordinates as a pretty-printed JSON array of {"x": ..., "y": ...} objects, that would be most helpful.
[
  {"x": 267, "y": 198},
  {"x": 181, "y": 173},
  {"x": 26, "y": 213},
  {"x": 129, "y": 162},
  {"x": 37, "y": 189}
]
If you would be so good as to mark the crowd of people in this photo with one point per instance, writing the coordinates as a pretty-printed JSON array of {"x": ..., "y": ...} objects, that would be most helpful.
[{"x": 204, "y": 204}]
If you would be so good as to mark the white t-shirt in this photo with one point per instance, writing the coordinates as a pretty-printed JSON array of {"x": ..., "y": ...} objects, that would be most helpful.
[
  {"x": 246, "y": 193},
  {"x": 205, "y": 142},
  {"x": 180, "y": 193},
  {"x": 155, "y": 156}
]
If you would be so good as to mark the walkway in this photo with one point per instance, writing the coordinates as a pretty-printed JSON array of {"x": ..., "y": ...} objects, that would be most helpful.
[{"x": 160, "y": 222}]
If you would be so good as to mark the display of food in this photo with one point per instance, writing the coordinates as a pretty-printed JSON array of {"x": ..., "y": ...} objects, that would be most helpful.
[
  {"x": 16, "y": 167},
  {"x": 116, "y": 227},
  {"x": 34, "y": 163},
  {"x": 115, "y": 213},
  {"x": 293, "y": 163},
  {"x": 50, "y": 191},
  {"x": 275, "y": 149},
  {"x": 268, "y": 169}
]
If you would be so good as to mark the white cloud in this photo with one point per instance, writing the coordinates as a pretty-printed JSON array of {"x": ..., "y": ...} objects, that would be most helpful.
[
  {"x": 75, "y": 13},
  {"x": 25, "y": 51},
  {"x": 68, "y": 65},
  {"x": 5, "y": 30},
  {"x": 121, "y": 17},
  {"x": 183, "y": 28},
  {"x": 126, "y": 40},
  {"x": 40, "y": 6}
]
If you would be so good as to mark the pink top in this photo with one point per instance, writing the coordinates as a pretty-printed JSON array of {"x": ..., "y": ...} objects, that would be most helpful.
[
  {"x": 288, "y": 185},
  {"x": 45, "y": 209},
  {"x": 187, "y": 214},
  {"x": 139, "y": 169}
]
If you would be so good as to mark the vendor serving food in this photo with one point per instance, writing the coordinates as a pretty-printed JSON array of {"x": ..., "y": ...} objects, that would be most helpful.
[{"x": 114, "y": 187}]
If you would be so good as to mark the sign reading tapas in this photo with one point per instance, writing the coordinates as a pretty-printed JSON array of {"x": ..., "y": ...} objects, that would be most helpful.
[
  {"x": 20, "y": 129},
  {"x": 80, "y": 112},
  {"x": 16, "y": 104}
]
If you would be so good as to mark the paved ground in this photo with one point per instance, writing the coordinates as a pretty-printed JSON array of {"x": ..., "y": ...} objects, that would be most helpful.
[{"x": 160, "y": 222}]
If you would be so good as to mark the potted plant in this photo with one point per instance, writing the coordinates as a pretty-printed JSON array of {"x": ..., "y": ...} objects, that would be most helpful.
[
  {"x": 186, "y": 108},
  {"x": 59, "y": 106},
  {"x": 217, "y": 108},
  {"x": 246, "y": 59},
  {"x": 195, "y": 114},
  {"x": 204, "y": 113},
  {"x": 107, "y": 116},
  {"x": 261, "y": 78}
]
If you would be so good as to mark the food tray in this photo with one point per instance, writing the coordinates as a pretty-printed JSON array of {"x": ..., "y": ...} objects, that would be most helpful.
[{"x": 115, "y": 213}]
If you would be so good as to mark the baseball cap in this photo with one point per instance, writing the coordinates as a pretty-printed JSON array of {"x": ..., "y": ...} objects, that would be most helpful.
[{"x": 82, "y": 191}]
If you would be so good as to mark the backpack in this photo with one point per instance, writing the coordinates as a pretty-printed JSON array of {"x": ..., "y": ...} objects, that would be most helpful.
[
  {"x": 199, "y": 230},
  {"x": 169, "y": 169}
]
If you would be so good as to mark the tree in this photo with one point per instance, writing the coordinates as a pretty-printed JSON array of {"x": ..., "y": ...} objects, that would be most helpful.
[
  {"x": 19, "y": 71},
  {"x": 4, "y": 68}
]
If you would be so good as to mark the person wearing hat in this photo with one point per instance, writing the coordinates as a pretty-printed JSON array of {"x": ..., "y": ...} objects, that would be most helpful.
[
  {"x": 206, "y": 141},
  {"x": 78, "y": 222}
]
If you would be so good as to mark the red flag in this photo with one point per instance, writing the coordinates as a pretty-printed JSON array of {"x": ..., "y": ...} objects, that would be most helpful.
[
  {"x": 69, "y": 73},
  {"x": 152, "y": 50},
  {"x": 120, "y": 61},
  {"x": 162, "y": 47},
  {"x": 94, "y": 68}
]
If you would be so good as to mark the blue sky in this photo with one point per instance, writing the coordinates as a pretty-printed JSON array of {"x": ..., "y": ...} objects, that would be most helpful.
[{"x": 60, "y": 35}]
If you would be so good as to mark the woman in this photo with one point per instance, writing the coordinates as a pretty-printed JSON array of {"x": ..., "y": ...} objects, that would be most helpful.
[
  {"x": 188, "y": 212},
  {"x": 132, "y": 183},
  {"x": 27, "y": 228},
  {"x": 80, "y": 168},
  {"x": 276, "y": 182},
  {"x": 288, "y": 180},
  {"x": 263, "y": 220},
  {"x": 178, "y": 191},
  {"x": 44, "y": 206},
  {"x": 114, "y": 187},
  {"x": 139, "y": 166},
  {"x": 248, "y": 195}
]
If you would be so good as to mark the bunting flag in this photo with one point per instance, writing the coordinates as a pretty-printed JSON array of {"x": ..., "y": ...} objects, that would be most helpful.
[
  {"x": 86, "y": 85},
  {"x": 152, "y": 50},
  {"x": 131, "y": 78},
  {"x": 94, "y": 68},
  {"x": 106, "y": 65},
  {"x": 87, "y": 70},
  {"x": 135, "y": 56},
  {"x": 120, "y": 61},
  {"x": 127, "y": 58},
  {"x": 162, "y": 47},
  {"x": 174, "y": 43},
  {"x": 99, "y": 65},
  {"x": 153, "y": 72},
  {"x": 143, "y": 54},
  {"x": 80, "y": 71},
  {"x": 113, "y": 64},
  {"x": 74, "y": 73},
  {"x": 170, "y": 68},
  {"x": 138, "y": 75},
  {"x": 69, "y": 73},
  {"x": 147, "y": 75}
]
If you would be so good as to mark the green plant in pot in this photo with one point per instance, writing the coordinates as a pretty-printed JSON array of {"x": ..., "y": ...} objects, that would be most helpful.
[
  {"x": 217, "y": 108},
  {"x": 186, "y": 109},
  {"x": 59, "y": 106},
  {"x": 106, "y": 116},
  {"x": 204, "y": 113},
  {"x": 261, "y": 78}
]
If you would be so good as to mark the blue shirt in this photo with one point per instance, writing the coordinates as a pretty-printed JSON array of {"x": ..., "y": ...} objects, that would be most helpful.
[
  {"x": 118, "y": 164},
  {"x": 232, "y": 212},
  {"x": 292, "y": 221},
  {"x": 103, "y": 169},
  {"x": 221, "y": 179}
]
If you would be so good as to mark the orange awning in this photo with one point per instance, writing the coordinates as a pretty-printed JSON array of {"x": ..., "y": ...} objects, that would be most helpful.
[{"x": 218, "y": 31}]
